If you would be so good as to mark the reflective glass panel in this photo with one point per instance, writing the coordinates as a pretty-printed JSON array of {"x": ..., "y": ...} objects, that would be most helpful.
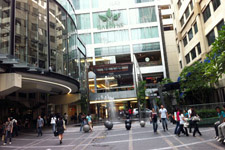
[{"x": 144, "y": 33}]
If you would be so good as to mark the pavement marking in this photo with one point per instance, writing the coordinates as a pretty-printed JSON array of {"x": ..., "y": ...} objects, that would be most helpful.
[
  {"x": 211, "y": 144},
  {"x": 168, "y": 142},
  {"x": 130, "y": 140},
  {"x": 90, "y": 142},
  {"x": 86, "y": 140},
  {"x": 183, "y": 145}
]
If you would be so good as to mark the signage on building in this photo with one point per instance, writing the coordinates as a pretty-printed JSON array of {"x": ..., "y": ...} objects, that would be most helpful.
[
  {"x": 110, "y": 20},
  {"x": 113, "y": 69}
]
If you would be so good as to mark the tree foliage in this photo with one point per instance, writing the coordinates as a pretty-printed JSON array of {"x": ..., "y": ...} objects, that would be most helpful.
[{"x": 141, "y": 93}]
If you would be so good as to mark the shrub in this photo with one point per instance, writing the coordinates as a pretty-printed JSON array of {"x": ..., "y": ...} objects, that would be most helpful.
[{"x": 207, "y": 113}]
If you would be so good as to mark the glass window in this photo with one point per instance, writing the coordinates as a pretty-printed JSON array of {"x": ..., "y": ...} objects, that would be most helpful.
[
  {"x": 81, "y": 4},
  {"x": 145, "y": 47},
  {"x": 142, "y": 15},
  {"x": 149, "y": 59},
  {"x": 181, "y": 65},
  {"x": 187, "y": 12},
  {"x": 179, "y": 4},
  {"x": 83, "y": 21},
  {"x": 143, "y": 1},
  {"x": 187, "y": 57},
  {"x": 190, "y": 34},
  {"x": 178, "y": 48},
  {"x": 31, "y": 33},
  {"x": 193, "y": 53},
  {"x": 86, "y": 38},
  {"x": 144, "y": 33},
  {"x": 114, "y": 50},
  {"x": 199, "y": 48},
  {"x": 59, "y": 48},
  {"x": 220, "y": 25},
  {"x": 191, "y": 5},
  {"x": 5, "y": 11},
  {"x": 195, "y": 27},
  {"x": 211, "y": 37},
  {"x": 206, "y": 13},
  {"x": 185, "y": 41},
  {"x": 110, "y": 19},
  {"x": 216, "y": 4},
  {"x": 182, "y": 21},
  {"x": 111, "y": 36}
]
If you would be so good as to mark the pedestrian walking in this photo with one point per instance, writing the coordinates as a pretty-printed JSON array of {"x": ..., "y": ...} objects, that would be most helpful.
[
  {"x": 177, "y": 119},
  {"x": 3, "y": 132},
  {"x": 153, "y": 119},
  {"x": 89, "y": 120},
  {"x": 66, "y": 118},
  {"x": 181, "y": 125},
  {"x": 60, "y": 129},
  {"x": 189, "y": 118},
  {"x": 53, "y": 122},
  {"x": 221, "y": 127},
  {"x": 82, "y": 121},
  {"x": 40, "y": 124},
  {"x": 163, "y": 117},
  {"x": 15, "y": 128},
  {"x": 195, "y": 120},
  {"x": 8, "y": 131}
]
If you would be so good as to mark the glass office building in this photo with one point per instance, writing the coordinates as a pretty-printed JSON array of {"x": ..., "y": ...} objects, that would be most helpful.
[
  {"x": 40, "y": 48},
  {"x": 124, "y": 44}
]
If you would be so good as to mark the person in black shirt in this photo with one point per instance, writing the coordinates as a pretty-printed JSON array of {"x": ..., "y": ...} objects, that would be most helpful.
[{"x": 60, "y": 129}]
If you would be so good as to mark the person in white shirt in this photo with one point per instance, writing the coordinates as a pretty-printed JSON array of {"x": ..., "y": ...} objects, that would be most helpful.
[
  {"x": 189, "y": 117},
  {"x": 53, "y": 123},
  {"x": 66, "y": 118},
  {"x": 163, "y": 117},
  {"x": 181, "y": 126}
]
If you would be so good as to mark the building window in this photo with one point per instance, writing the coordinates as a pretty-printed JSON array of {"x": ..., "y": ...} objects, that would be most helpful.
[
  {"x": 179, "y": 4},
  {"x": 199, "y": 49},
  {"x": 193, "y": 54},
  {"x": 195, "y": 27},
  {"x": 181, "y": 65},
  {"x": 206, "y": 13},
  {"x": 178, "y": 48},
  {"x": 190, "y": 34},
  {"x": 187, "y": 57},
  {"x": 185, "y": 41},
  {"x": 220, "y": 25},
  {"x": 144, "y": 33},
  {"x": 191, "y": 4},
  {"x": 182, "y": 21},
  {"x": 211, "y": 37},
  {"x": 187, "y": 13},
  {"x": 216, "y": 4},
  {"x": 83, "y": 21}
]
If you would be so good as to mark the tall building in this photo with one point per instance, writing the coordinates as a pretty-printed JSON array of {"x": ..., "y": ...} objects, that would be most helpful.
[
  {"x": 124, "y": 42},
  {"x": 197, "y": 23},
  {"x": 42, "y": 60}
]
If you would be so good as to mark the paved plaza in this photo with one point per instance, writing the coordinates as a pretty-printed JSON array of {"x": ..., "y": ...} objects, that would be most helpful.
[{"x": 117, "y": 139}]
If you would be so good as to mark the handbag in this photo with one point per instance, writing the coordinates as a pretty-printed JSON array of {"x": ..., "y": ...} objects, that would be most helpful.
[
  {"x": 64, "y": 125},
  {"x": 56, "y": 133},
  {"x": 196, "y": 118}
]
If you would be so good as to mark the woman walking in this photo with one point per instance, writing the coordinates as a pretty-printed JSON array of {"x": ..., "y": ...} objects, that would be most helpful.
[
  {"x": 60, "y": 129},
  {"x": 89, "y": 121},
  {"x": 181, "y": 125},
  {"x": 195, "y": 120},
  {"x": 153, "y": 119}
]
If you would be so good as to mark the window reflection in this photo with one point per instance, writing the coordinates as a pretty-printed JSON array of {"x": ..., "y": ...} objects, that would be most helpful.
[{"x": 5, "y": 26}]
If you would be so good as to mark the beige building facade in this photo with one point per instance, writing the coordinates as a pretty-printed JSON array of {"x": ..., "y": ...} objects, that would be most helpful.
[{"x": 196, "y": 24}]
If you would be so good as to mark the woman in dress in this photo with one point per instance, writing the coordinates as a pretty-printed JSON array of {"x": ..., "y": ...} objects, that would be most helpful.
[
  {"x": 195, "y": 120},
  {"x": 60, "y": 129}
]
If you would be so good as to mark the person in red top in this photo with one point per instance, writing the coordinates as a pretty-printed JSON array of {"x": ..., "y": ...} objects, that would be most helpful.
[
  {"x": 130, "y": 112},
  {"x": 177, "y": 118}
]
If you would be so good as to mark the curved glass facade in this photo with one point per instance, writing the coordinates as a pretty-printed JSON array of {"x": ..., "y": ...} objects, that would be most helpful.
[{"x": 44, "y": 32}]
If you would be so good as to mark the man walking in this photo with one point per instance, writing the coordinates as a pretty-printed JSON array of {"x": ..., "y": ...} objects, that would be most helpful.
[
  {"x": 8, "y": 131},
  {"x": 66, "y": 118},
  {"x": 53, "y": 123},
  {"x": 40, "y": 124},
  {"x": 163, "y": 116}
]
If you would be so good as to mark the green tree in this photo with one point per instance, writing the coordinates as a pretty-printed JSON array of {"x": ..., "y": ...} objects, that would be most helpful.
[
  {"x": 216, "y": 58},
  {"x": 193, "y": 80},
  {"x": 141, "y": 96}
]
